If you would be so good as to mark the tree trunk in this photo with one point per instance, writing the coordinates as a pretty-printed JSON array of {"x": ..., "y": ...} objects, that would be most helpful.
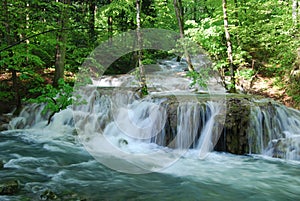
[
  {"x": 27, "y": 27},
  {"x": 179, "y": 15},
  {"x": 229, "y": 48},
  {"x": 60, "y": 54},
  {"x": 110, "y": 26},
  {"x": 295, "y": 11},
  {"x": 92, "y": 10},
  {"x": 15, "y": 81},
  {"x": 144, "y": 90}
]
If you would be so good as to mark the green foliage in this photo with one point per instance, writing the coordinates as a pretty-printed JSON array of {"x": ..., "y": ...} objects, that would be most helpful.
[
  {"x": 6, "y": 95},
  {"x": 246, "y": 73},
  {"x": 144, "y": 90},
  {"x": 293, "y": 88},
  {"x": 151, "y": 56},
  {"x": 148, "y": 61},
  {"x": 199, "y": 78},
  {"x": 55, "y": 99},
  {"x": 263, "y": 35}
]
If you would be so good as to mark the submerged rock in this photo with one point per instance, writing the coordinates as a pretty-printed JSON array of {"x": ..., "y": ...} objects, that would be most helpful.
[
  {"x": 48, "y": 195},
  {"x": 4, "y": 122},
  {"x": 4, "y": 127},
  {"x": 10, "y": 187},
  {"x": 122, "y": 142},
  {"x": 288, "y": 148},
  {"x": 70, "y": 196}
]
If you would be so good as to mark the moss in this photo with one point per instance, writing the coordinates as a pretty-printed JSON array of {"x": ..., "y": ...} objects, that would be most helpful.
[
  {"x": 236, "y": 124},
  {"x": 48, "y": 195},
  {"x": 10, "y": 187}
]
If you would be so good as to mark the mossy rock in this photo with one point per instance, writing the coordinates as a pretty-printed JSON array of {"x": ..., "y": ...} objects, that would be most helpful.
[
  {"x": 234, "y": 138},
  {"x": 67, "y": 195},
  {"x": 9, "y": 187},
  {"x": 48, "y": 195}
]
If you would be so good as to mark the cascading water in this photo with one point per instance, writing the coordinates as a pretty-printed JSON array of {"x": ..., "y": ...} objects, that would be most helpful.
[
  {"x": 166, "y": 133},
  {"x": 120, "y": 116},
  {"x": 191, "y": 116},
  {"x": 26, "y": 119},
  {"x": 274, "y": 130},
  {"x": 208, "y": 137}
]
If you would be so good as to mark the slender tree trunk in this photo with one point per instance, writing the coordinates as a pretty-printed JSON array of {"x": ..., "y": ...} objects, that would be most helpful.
[
  {"x": 15, "y": 81},
  {"x": 295, "y": 11},
  {"x": 229, "y": 48},
  {"x": 110, "y": 26},
  {"x": 60, "y": 54},
  {"x": 27, "y": 27},
  {"x": 144, "y": 90},
  {"x": 92, "y": 10},
  {"x": 179, "y": 15}
]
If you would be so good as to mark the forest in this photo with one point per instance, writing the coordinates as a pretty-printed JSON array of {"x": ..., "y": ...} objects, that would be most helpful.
[
  {"x": 44, "y": 43},
  {"x": 160, "y": 134}
]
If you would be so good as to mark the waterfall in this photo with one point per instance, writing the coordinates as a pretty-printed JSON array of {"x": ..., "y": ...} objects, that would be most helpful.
[
  {"x": 111, "y": 111},
  {"x": 207, "y": 141},
  {"x": 274, "y": 130},
  {"x": 31, "y": 116},
  {"x": 190, "y": 118},
  {"x": 123, "y": 120}
]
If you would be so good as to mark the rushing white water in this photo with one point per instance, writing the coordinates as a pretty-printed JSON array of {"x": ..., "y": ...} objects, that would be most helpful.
[
  {"x": 190, "y": 119},
  {"x": 50, "y": 160},
  {"x": 118, "y": 121},
  {"x": 130, "y": 125},
  {"x": 207, "y": 139},
  {"x": 275, "y": 131},
  {"x": 172, "y": 142},
  {"x": 166, "y": 76}
]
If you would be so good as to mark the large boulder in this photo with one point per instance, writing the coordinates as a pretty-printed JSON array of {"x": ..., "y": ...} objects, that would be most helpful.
[{"x": 234, "y": 135}]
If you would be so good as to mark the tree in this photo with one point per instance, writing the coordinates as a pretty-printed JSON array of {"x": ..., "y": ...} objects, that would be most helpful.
[
  {"x": 92, "y": 13},
  {"x": 60, "y": 54},
  {"x": 295, "y": 11},
  {"x": 179, "y": 15},
  {"x": 9, "y": 40},
  {"x": 144, "y": 90},
  {"x": 11, "y": 34},
  {"x": 229, "y": 48}
]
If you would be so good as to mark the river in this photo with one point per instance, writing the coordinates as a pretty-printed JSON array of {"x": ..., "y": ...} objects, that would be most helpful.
[
  {"x": 45, "y": 160},
  {"x": 59, "y": 162}
]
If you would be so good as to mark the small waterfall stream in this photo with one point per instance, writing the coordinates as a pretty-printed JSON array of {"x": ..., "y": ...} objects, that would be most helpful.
[
  {"x": 275, "y": 130},
  {"x": 169, "y": 134},
  {"x": 170, "y": 119}
]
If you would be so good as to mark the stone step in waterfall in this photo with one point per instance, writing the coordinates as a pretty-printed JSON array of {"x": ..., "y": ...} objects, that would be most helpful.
[{"x": 237, "y": 124}]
